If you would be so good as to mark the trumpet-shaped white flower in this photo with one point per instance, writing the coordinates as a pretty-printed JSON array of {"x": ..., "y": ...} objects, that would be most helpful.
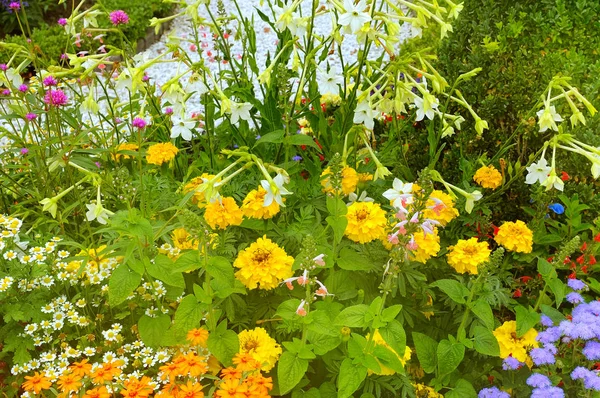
[
  {"x": 471, "y": 199},
  {"x": 364, "y": 114},
  {"x": 426, "y": 106},
  {"x": 355, "y": 16},
  {"x": 183, "y": 128},
  {"x": 538, "y": 172},
  {"x": 548, "y": 118},
  {"x": 239, "y": 110},
  {"x": 400, "y": 194},
  {"x": 97, "y": 212},
  {"x": 14, "y": 77},
  {"x": 274, "y": 190},
  {"x": 553, "y": 181},
  {"x": 329, "y": 82}
]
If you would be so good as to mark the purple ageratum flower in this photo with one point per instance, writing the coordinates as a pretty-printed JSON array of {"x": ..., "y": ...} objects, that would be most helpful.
[
  {"x": 590, "y": 378},
  {"x": 297, "y": 158},
  {"x": 574, "y": 298},
  {"x": 139, "y": 123},
  {"x": 492, "y": 392},
  {"x": 546, "y": 321},
  {"x": 576, "y": 284},
  {"x": 548, "y": 392},
  {"x": 50, "y": 81},
  {"x": 511, "y": 363},
  {"x": 15, "y": 6},
  {"x": 592, "y": 350},
  {"x": 62, "y": 21},
  {"x": 24, "y": 151},
  {"x": 539, "y": 380},
  {"x": 30, "y": 116},
  {"x": 119, "y": 17},
  {"x": 549, "y": 335},
  {"x": 56, "y": 98},
  {"x": 579, "y": 373},
  {"x": 542, "y": 356}
]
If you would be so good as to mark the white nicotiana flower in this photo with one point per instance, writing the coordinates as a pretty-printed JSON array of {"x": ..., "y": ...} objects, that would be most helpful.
[
  {"x": 538, "y": 172},
  {"x": 365, "y": 114},
  {"x": 355, "y": 16},
  {"x": 548, "y": 118},
  {"x": 400, "y": 194},
  {"x": 274, "y": 190},
  {"x": 553, "y": 181},
  {"x": 426, "y": 106},
  {"x": 96, "y": 211},
  {"x": 239, "y": 110},
  {"x": 329, "y": 82},
  {"x": 182, "y": 127}
]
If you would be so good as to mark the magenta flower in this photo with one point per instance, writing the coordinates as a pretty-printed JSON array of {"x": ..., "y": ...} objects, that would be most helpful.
[
  {"x": 24, "y": 151},
  {"x": 62, "y": 21},
  {"x": 168, "y": 111},
  {"x": 119, "y": 17},
  {"x": 6, "y": 92},
  {"x": 3, "y": 67},
  {"x": 50, "y": 81},
  {"x": 30, "y": 116},
  {"x": 23, "y": 88},
  {"x": 56, "y": 98},
  {"x": 15, "y": 6},
  {"x": 139, "y": 123}
]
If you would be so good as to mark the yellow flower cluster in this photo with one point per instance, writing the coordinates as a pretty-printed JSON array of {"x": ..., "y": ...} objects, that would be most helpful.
[
  {"x": 263, "y": 265},
  {"x": 195, "y": 183},
  {"x": 515, "y": 236},
  {"x": 366, "y": 222},
  {"x": 488, "y": 177},
  {"x": 253, "y": 205},
  {"x": 349, "y": 180},
  {"x": 444, "y": 212},
  {"x": 331, "y": 99},
  {"x": 262, "y": 347},
  {"x": 183, "y": 240},
  {"x": 126, "y": 146},
  {"x": 386, "y": 371},
  {"x": 510, "y": 344},
  {"x": 467, "y": 255},
  {"x": 161, "y": 153},
  {"x": 428, "y": 246},
  {"x": 423, "y": 391},
  {"x": 223, "y": 213}
]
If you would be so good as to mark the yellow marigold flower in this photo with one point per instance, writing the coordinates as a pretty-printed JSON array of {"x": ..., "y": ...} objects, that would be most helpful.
[
  {"x": 364, "y": 177},
  {"x": 126, "y": 146},
  {"x": 263, "y": 348},
  {"x": 253, "y": 205},
  {"x": 385, "y": 371},
  {"x": 195, "y": 183},
  {"x": 161, "y": 153},
  {"x": 427, "y": 246},
  {"x": 366, "y": 222},
  {"x": 488, "y": 177},
  {"x": 349, "y": 180},
  {"x": 467, "y": 255},
  {"x": 223, "y": 213},
  {"x": 515, "y": 236},
  {"x": 263, "y": 265},
  {"x": 510, "y": 344},
  {"x": 424, "y": 391},
  {"x": 183, "y": 240},
  {"x": 442, "y": 209}
]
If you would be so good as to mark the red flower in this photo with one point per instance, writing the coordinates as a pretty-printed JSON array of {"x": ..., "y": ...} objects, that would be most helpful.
[
  {"x": 321, "y": 157},
  {"x": 572, "y": 275},
  {"x": 584, "y": 269},
  {"x": 318, "y": 144},
  {"x": 303, "y": 147},
  {"x": 496, "y": 229},
  {"x": 597, "y": 237},
  {"x": 550, "y": 259},
  {"x": 592, "y": 260},
  {"x": 517, "y": 293},
  {"x": 584, "y": 246},
  {"x": 491, "y": 379},
  {"x": 367, "y": 160},
  {"x": 564, "y": 176},
  {"x": 567, "y": 259},
  {"x": 580, "y": 259},
  {"x": 526, "y": 279}
]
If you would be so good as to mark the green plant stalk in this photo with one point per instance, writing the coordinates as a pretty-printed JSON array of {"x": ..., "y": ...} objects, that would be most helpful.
[{"x": 465, "y": 316}]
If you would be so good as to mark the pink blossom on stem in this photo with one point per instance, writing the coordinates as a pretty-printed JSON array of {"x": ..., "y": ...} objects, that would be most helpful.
[{"x": 119, "y": 17}]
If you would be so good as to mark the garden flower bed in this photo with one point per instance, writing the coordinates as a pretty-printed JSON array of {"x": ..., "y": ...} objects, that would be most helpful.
[{"x": 235, "y": 212}]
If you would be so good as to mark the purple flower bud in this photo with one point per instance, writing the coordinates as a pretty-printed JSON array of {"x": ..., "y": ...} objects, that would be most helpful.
[
  {"x": 574, "y": 298},
  {"x": 62, "y": 21},
  {"x": 539, "y": 380},
  {"x": 6, "y": 92},
  {"x": 297, "y": 158},
  {"x": 98, "y": 164},
  {"x": 511, "y": 363},
  {"x": 492, "y": 392},
  {"x": 24, "y": 151},
  {"x": 168, "y": 111},
  {"x": 3, "y": 67}
]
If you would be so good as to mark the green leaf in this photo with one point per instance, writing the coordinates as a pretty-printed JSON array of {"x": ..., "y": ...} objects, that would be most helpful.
[
  {"x": 152, "y": 330},
  {"x": 338, "y": 224},
  {"x": 390, "y": 313},
  {"x": 426, "y": 348},
  {"x": 352, "y": 261},
  {"x": 483, "y": 311},
  {"x": 353, "y": 316},
  {"x": 449, "y": 356},
  {"x": 188, "y": 316},
  {"x": 301, "y": 139},
  {"x": 350, "y": 378},
  {"x": 290, "y": 371},
  {"x": 462, "y": 389},
  {"x": 221, "y": 269},
  {"x": 395, "y": 336},
  {"x": 545, "y": 269},
  {"x": 485, "y": 342},
  {"x": 559, "y": 289},
  {"x": 388, "y": 358},
  {"x": 162, "y": 268},
  {"x": 526, "y": 319},
  {"x": 275, "y": 137},
  {"x": 121, "y": 285},
  {"x": 188, "y": 261},
  {"x": 552, "y": 313},
  {"x": 454, "y": 289},
  {"x": 223, "y": 343},
  {"x": 336, "y": 206}
]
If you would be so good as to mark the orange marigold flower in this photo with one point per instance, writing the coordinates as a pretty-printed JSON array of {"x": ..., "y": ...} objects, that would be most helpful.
[
  {"x": 231, "y": 373},
  {"x": 193, "y": 365},
  {"x": 106, "y": 372},
  {"x": 81, "y": 368},
  {"x": 198, "y": 337},
  {"x": 36, "y": 383},
  {"x": 100, "y": 392},
  {"x": 170, "y": 371},
  {"x": 190, "y": 390},
  {"x": 69, "y": 382},
  {"x": 245, "y": 362},
  {"x": 135, "y": 388},
  {"x": 258, "y": 385},
  {"x": 232, "y": 388}
]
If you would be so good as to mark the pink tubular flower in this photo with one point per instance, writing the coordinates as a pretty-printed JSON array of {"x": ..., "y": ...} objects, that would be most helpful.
[
  {"x": 139, "y": 123},
  {"x": 119, "y": 17},
  {"x": 412, "y": 245},
  {"x": 303, "y": 279},
  {"x": 319, "y": 260},
  {"x": 56, "y": 98},
  {"x": 322, "y": 290},
  {"x": 393, "y": 238},
  {"x": 62, "y": 21},
  {"x": 300, "y": 310}
]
